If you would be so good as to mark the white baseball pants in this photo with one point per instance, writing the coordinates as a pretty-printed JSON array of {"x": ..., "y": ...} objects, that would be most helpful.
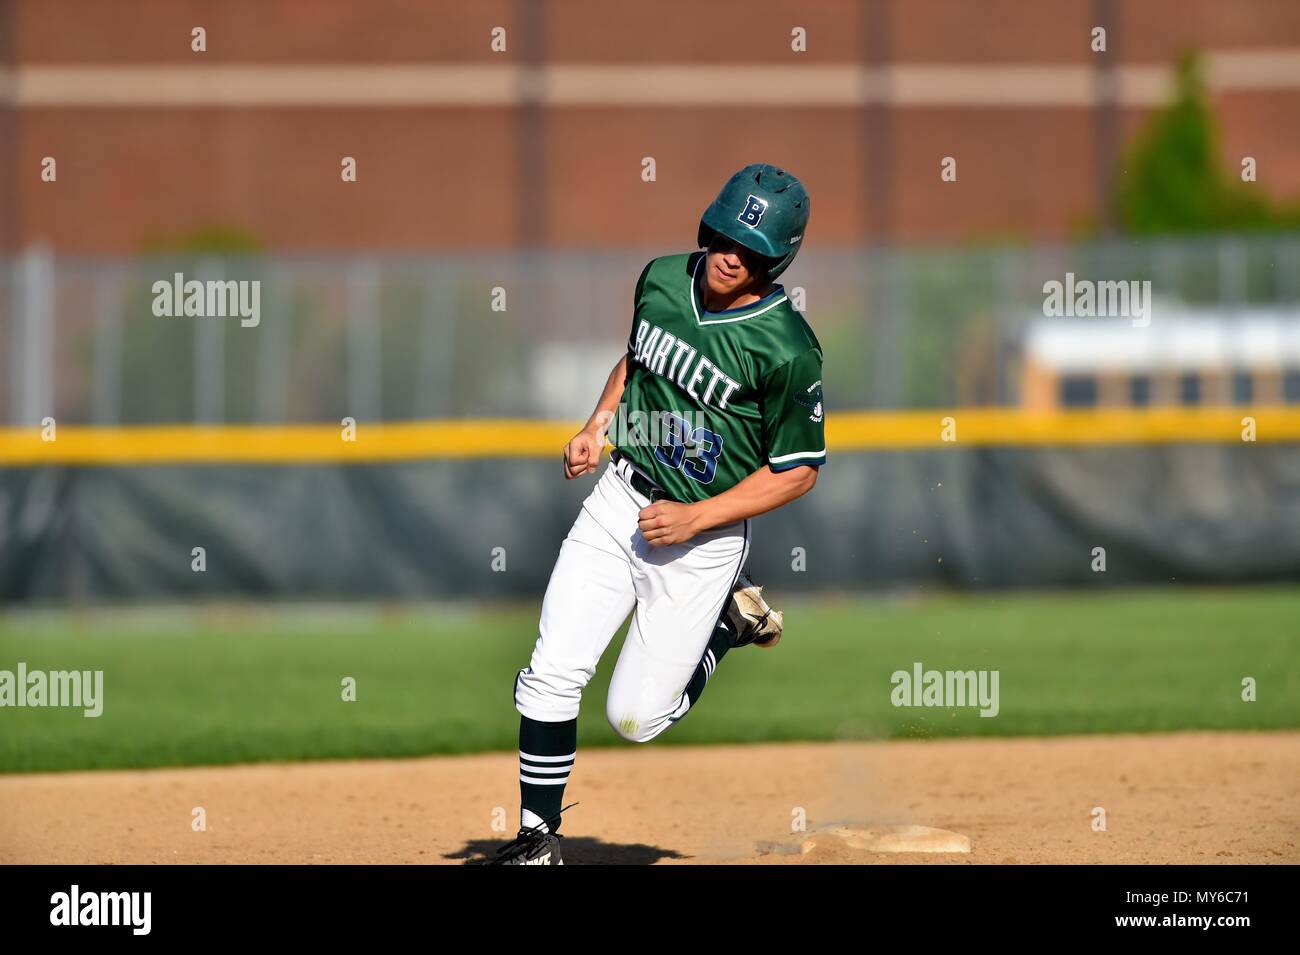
[{"x": 605, "y": 570}]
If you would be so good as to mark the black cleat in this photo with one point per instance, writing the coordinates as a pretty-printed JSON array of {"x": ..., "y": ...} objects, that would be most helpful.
[{"x": 531, "y": 847}]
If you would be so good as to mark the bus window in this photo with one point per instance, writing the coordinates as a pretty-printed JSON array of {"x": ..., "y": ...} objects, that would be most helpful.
[
  {"x": 1291, "y": 386},
  {"x": 1243, "y": 388},
  {"x": 1189, "y": 389},
  {"x": 1078, "y": 391},
  {"x": 1139, "y": 391}
]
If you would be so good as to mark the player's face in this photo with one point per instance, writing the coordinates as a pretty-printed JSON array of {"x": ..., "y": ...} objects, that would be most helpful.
[{"x": 731, "y": 268}]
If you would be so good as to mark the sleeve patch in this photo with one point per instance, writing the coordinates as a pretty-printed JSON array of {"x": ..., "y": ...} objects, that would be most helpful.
[{"x": 811, "y": 398}]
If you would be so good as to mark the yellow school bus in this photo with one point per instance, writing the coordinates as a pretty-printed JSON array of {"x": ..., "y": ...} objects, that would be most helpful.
[{"x": 1181, "y": 356}]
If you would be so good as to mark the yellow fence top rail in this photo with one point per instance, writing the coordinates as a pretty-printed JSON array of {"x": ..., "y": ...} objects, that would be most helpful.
[{"x": 527, "y": 438}]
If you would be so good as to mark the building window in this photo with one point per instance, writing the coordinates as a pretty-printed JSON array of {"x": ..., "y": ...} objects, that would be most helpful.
[
  {"x": 1139, "y": 391},
  {"x": 1079, "y": 391},
  {"x": 1189, "y": 389},
  {"x": 1243, "y": 388},
  {"x": 1291, "y": 386}
]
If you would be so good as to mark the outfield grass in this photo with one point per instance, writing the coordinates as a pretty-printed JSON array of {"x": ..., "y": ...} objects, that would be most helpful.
[{"x": 234, "y": 686}]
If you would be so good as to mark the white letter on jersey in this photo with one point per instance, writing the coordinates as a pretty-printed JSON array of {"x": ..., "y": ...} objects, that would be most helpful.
[
  {"x": 681, "y": 350},
  {"x": 698, "y": 376},
  {"x": 647, "y": 347},
  {"x": 681, "y": 381},
  {"x": 713, "y": 383},
  {"x": 661, "y": 353}
]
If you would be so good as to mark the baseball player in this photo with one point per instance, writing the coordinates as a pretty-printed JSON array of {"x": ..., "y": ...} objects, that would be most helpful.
[{"x": 715, "y": 414}]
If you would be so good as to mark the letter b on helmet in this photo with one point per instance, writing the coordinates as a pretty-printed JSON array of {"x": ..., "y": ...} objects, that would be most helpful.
[{"x": 752, "y": 214}]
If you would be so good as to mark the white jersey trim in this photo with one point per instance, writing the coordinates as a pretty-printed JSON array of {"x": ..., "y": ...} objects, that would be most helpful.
[
  {"x": 782, "y": 458},
  {"x": 695, "y": 277}
]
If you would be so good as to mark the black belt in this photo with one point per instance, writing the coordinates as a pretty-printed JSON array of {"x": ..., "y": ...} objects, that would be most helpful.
[{"x": 639, "y": 482}]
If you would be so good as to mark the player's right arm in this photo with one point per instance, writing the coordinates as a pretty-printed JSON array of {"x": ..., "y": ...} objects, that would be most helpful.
[{"x": 582, "y": 453}]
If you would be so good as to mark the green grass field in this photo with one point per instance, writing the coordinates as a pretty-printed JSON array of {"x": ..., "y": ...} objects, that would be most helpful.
[{"x": 223, "y": 685}]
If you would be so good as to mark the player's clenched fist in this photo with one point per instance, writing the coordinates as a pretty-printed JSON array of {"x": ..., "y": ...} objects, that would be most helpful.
[
  {"x": 668, "y": 523},
  {"x": 582, "y": 454}
]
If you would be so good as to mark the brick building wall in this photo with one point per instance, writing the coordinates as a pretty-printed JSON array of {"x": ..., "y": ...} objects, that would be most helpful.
[{"x": 497, "y": 150}]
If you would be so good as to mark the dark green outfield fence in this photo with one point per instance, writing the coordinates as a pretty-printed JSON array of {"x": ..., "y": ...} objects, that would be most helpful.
[
  {"x": 968, "y": 518},
  {"x": 407, "y": 339}
]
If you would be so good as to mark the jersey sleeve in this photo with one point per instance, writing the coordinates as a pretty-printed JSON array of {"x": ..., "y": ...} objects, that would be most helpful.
[{"x": 793, "y": 417}]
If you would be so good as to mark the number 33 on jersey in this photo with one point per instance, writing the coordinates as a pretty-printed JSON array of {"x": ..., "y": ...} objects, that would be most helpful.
[{"x": 711, "y": 397}]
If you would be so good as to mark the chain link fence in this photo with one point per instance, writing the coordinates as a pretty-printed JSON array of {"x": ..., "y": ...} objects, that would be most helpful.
[{"x": 528, "y": 335}]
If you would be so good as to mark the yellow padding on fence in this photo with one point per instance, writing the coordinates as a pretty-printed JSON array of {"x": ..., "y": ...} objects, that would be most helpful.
[
  {"x": 964, "y": 427},
  {"x": 279, "y": 444},
  {"x": 525, "y": 438}
]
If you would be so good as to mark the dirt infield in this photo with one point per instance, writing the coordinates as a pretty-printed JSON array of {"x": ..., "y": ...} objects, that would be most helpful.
[{"x": 1188, "y": 797}]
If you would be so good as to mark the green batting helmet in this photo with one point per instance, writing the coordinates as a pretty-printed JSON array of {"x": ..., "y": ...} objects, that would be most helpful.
[{"x": 763, "y": 208}]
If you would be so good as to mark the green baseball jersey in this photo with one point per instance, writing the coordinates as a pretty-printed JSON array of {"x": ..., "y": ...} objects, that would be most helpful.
[{"x": 711, "y": 397}]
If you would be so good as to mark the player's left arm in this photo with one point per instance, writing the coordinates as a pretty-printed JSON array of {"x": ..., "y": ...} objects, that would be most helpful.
[{"x": 794, "y": 437}]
